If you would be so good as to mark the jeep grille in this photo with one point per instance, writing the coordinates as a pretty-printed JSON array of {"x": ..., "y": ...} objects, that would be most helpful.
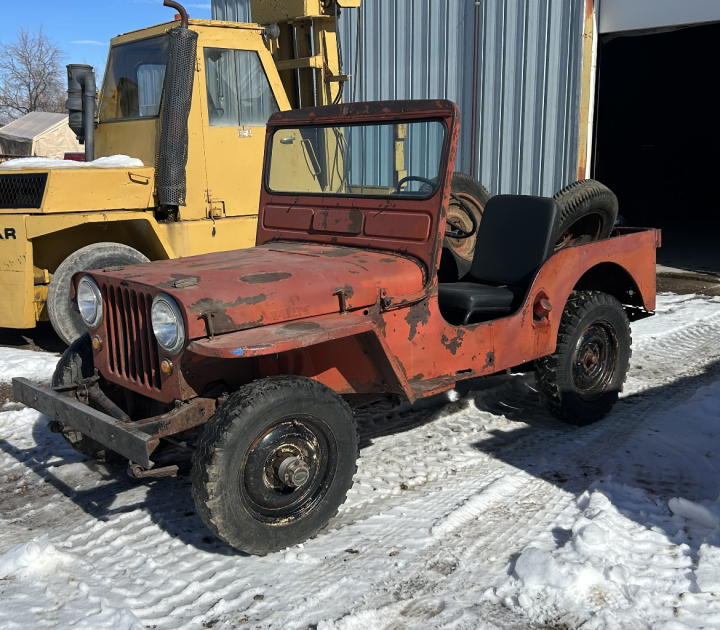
[
  {"x": 22, "y": 190},
  {"x": 132, "y": 349}
]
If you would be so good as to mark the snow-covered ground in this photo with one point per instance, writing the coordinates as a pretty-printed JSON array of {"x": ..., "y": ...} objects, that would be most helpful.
[{"x": 471, "y": 510}]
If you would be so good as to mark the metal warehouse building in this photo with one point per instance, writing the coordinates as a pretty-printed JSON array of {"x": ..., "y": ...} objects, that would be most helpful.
[{"x": 551, "y": 91}]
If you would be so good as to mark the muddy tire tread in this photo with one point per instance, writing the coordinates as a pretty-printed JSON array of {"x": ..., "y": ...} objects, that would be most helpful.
[
  {"x": 215, "y": 438},
  {"x": 549, "y": 370}
]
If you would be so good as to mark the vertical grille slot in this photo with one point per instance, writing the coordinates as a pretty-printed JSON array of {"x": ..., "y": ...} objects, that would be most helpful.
[{"x": 131, "y": 345}]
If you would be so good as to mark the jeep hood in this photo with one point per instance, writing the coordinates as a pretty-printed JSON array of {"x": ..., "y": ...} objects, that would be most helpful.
[{"x": 273, "y": 283}]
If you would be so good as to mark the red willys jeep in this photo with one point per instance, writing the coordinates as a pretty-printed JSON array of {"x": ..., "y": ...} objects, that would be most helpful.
[{"x": 260, "y": 354}]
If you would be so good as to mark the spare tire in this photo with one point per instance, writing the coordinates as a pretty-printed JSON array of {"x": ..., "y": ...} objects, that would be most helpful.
[
  {"x": 67, "y": 323},
  {"x": 475, "y": 196},
  {"x": 457, "y": 254},
  {"x": 588, "y": 213}
]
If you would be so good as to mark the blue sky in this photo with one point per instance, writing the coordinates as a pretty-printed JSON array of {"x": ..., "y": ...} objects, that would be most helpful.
[{"x": 83, "y": 28}]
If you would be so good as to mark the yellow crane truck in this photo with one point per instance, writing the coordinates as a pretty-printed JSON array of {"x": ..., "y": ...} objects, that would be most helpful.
[{"x": 188, "y": 102}]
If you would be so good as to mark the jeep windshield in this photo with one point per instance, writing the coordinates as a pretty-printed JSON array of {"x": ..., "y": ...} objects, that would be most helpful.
[
  {"x": 370, "y": 160},
  {"x": 134, "y": 80}
]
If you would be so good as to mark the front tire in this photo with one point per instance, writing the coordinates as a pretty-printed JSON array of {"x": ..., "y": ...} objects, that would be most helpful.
[
  {"x": 67, "y": 323},
  {"x": 274, "y": 463},
  {"x": 580, "y": 382}
]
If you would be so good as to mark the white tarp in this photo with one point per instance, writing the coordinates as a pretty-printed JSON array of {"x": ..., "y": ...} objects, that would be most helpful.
[
  {"x": 41, "y": 134},
  {"x": 631, "y": 15}
]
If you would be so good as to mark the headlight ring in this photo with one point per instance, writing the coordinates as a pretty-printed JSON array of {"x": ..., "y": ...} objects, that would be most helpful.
[
  {"x": 89, "y": 301},
  {"x": 167, "y": 323}
]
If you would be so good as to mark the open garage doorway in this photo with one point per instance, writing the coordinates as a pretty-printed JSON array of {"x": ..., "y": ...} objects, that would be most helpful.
[{"x": 658, "y": 138}]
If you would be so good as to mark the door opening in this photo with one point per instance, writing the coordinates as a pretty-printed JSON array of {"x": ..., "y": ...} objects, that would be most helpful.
[{"x": 658, "y": 139}]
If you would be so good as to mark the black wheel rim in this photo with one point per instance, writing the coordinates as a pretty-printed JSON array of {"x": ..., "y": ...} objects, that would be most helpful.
[
  {"x": 264, "y": 493},
  {"x": 594, "y": 360}
]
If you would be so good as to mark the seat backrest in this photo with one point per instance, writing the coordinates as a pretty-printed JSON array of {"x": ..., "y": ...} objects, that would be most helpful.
[{"x": 516, "y": 235}]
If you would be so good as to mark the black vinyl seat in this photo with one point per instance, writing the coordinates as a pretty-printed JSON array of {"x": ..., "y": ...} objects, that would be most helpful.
[{"x": 516, "y": 236}]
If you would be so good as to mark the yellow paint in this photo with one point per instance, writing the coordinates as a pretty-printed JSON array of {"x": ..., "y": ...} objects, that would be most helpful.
[
  {"x": 136, "y": 138},
  {"x": 17, "y": 309},
  {"x": 224, "y": 169},
  {"x": 40, "y": 303},
  {"x": 586, "y": 88}
]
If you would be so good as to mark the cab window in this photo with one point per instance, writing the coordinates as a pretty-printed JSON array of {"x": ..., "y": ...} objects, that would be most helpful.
[
  {"x": 238, "y": 91},
  {"x": 134, "y": 79}
]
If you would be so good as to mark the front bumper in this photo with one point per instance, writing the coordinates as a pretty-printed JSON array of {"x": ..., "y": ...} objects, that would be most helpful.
[{"x": 123, "y": 438}]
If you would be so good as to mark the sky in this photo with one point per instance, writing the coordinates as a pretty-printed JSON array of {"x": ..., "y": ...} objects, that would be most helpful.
[{"x": 83, "y": 28}]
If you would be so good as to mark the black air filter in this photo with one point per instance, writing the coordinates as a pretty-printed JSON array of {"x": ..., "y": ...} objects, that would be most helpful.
[{"x": 177, "y": 98}]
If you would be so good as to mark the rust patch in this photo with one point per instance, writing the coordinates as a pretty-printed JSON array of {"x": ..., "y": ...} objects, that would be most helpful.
[
  {"x": 260, "y": 278},
  {"x": 490, "y": 359},
  {"x": 291, "y": 312},
  {"x": 294, "y": 328},
  {"x": 388, "y": 260},
  {"x": 209, "y": 304},
  {"x": 418, "y": 314},
  {"x": 348, "y": 290},
  {"x": 454, "y": 343},
  {"x": 417, "y": 377},
  {"x": 178, "y": 281},
  {"x": 338, "y": 252}
]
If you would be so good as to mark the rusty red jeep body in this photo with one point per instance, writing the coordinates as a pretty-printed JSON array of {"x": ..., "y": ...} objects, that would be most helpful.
[{"x": 342, "y": 290}]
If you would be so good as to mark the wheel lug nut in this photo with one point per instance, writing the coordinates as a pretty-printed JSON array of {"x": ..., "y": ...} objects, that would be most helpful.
[{"x": 293, "y": 472}]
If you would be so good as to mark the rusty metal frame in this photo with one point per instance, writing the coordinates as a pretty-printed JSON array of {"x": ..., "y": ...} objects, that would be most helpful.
[{"x": 134, "y": 440}]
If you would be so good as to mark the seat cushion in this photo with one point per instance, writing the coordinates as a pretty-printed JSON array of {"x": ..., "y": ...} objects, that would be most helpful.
[{"x": 468, "y": 299}]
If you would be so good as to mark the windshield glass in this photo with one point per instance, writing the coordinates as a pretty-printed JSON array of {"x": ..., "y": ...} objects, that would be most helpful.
[
  {"x": 134, "y": 79},
  {"x": 374, "y": 160}
]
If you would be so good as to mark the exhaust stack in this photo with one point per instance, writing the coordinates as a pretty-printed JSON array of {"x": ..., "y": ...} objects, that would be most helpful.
[
  {"x": 81, "y": 106},
  {"x": 177, "y": 99}
]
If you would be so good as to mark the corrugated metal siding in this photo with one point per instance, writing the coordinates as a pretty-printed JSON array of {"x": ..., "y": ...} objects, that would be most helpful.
[{"x": 528, "y": 77}]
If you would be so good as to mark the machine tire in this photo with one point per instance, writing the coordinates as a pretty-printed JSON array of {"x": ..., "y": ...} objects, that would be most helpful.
[
  {"x": 580, "y": 382},
  {"x": 588, "y": 213},
  {"x": 255, "y": 512},
  {"x": 76, "y": 364},
  {"x": 67, "y": 323}
]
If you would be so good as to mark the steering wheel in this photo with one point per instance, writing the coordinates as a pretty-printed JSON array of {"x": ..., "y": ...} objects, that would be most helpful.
[
  {"x": 413, "y": 178},
  {"x": 457, "y": 231}
]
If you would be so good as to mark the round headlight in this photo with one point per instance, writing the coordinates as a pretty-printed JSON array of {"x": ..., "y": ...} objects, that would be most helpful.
[
  {"x": 89, "y": 302},
  {"x": 167, "y": 323}
]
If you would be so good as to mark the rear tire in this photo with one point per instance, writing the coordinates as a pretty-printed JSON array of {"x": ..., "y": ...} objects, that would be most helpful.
[
  {"x": 580, "y": 382},
  {"x": 238, "y": 484},
  {"x": 589, "y": 210},
  {"x": 67, "y": 323}
]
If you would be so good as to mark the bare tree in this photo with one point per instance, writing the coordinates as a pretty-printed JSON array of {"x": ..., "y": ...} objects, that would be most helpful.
[{"x": 31, "y": 75}]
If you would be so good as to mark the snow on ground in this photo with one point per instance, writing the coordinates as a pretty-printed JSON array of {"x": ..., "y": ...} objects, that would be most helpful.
[
  {"x": 474, "y": 509},
  {"x": 36, "y": 366}
]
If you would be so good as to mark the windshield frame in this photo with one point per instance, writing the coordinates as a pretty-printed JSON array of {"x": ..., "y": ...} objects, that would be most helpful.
[
  {"x": 442, "y": 165},
  {"x": 113, "y": 48}
]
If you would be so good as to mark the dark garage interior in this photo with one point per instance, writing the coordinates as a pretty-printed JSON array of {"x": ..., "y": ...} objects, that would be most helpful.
[{"x": 658, "y": 138}]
